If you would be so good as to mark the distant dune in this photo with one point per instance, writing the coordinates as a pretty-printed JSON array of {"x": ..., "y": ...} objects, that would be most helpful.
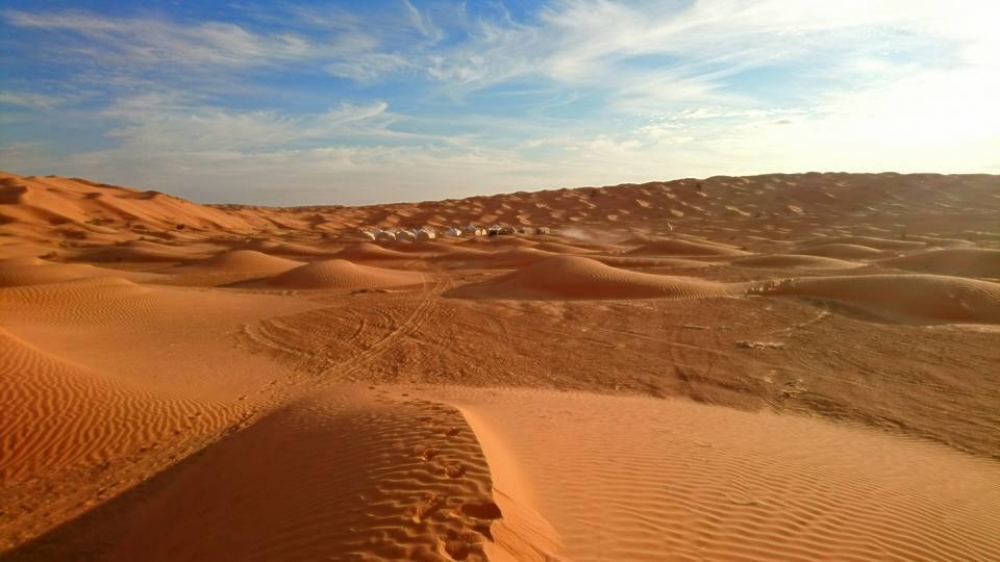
[{"x": 573, "y": 277}]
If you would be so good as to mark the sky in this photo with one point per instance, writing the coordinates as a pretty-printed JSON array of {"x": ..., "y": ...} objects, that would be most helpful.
[{"x": 296, "y": 103}]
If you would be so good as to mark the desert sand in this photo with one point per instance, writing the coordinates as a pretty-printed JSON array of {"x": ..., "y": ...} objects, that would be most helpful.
[{"x": 779, "y": 367}]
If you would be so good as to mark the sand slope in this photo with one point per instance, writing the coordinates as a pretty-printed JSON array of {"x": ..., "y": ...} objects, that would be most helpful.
[
  {"x": 59, "y": 201},
  {"x": 905, "y": 297},
  {"x": 647, "y": 479},
  {"x": 842, "y": 251},
  {"x": 245, "y": 261},
  {"x": 574, "y": 277},
  {"x": 140, "y": 251},
  {"x": 33, "y": 271},
  {"x": 870, "y": 242},
  {"x": 57, "y": 416},
  {"x": 512, "y": 259},
  {"x": 685, "y": 248},
  {"x": 792, "y": 261},
  {"x": 342, "y": 274},
  {"x": 344, "y": 475},
  {"x": 369, "y": 251},
  {"x": 959, "y": 262}
]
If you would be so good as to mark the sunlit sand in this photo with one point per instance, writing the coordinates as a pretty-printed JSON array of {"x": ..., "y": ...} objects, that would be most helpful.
[{"x": 781, "y": 367}]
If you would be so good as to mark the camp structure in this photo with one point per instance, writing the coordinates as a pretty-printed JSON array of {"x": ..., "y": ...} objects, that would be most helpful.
[
  {"x": 473, "y": 230},
  {"x": 384, "y": 235}
]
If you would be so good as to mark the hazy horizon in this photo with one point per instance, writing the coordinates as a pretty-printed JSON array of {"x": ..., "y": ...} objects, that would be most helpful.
[{"x": 309, "y": 103}]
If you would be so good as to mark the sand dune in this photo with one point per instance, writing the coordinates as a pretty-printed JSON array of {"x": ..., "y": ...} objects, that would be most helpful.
[
  {"x": 33, "y": 271},
  {"x": 374, "y": 477},
  {"x": 73, "y": 437},
  {"x": 566, "y": 277},
  {"x": 57, "y": 416},
  {"x": 290, "y": 248},
  {"x": 245, "y": 261},
  {"x": 58, "y": 200},
  {"x": 905, "y": 297},
  {"x": 958, "y": 262},
  {"x": 630, "y": 261},
  {"x": 646, "y": 479},
  {"x": 842, "y": 251},
  {"x": 781, "y": 261},
  {"x": 679, "y": 247},
  {"x": 179, "y": 340},
  {"x": 342, "y": 274},
  {"x": 443, "y": 251},
  {"x": 870, "y": 242},
  {"x": 369, "y": 251},
  {"x": 140, "y": 252},
  {"x": 561, "y": 248},
  {"x": 512, "y": 259}
]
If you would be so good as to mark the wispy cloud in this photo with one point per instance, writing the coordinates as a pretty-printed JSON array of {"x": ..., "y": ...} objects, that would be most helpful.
[
  {"x": 157, "y": 41},
  {"x": 30, "y": 99}
]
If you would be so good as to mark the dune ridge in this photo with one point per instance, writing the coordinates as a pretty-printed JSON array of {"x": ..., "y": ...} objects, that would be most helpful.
[
  {"x": 679, "y": 247},
  {"x": 914, "y": 297},
  {"x": 575, "y": 277},
  {"x": 246, "y": 261},
  {"x": 57, "y": 415},
  {"x": 841, "y": 251},
  {"x": 794, "y": 261},
  {"x": 647, "y": 479},
  {"x": 17, "y": 272},
  {"x": 342, "y": 274},
  {"x": 963, "y": 262}
]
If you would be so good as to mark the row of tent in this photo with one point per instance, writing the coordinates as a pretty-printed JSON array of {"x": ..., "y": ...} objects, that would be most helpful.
[{"x": 421, "y": 234}]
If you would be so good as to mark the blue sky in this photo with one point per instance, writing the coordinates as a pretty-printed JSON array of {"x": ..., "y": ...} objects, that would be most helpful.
[{"x": 360, "y": 102}]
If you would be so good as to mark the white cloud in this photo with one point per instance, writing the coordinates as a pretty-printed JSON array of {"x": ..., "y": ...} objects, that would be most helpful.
[
  {"x": 368, "y": 67},
  {"x": 176, "y": 122},
  {"x": 30, "y": 99},
  {"x": 141, "y": 41}
]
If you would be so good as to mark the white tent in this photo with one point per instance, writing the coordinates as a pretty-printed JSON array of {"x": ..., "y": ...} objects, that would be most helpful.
[{"x": 385, "y": 236}]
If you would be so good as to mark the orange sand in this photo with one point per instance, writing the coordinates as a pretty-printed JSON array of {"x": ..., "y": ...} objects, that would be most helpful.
[{"x": 780, "y": 367}]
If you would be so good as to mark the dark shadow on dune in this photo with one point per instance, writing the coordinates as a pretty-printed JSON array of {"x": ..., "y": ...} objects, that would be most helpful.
[{"x": 94, "y": 534}]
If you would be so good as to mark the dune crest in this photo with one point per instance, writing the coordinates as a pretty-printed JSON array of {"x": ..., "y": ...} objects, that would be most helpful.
[
  {"x": 680, "y": 247},
  {"x": 779, "y": 261},
  {"x": 342, "y": 274},
  {"x": 574, "y": 277},
  {"x": 964, "y": 262},
  {"x": 933, "y": 298},
  {"x": 246, "y": 261},
  {"x": 647, "y": 479},
  {"x": 32, "y": 271}
]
